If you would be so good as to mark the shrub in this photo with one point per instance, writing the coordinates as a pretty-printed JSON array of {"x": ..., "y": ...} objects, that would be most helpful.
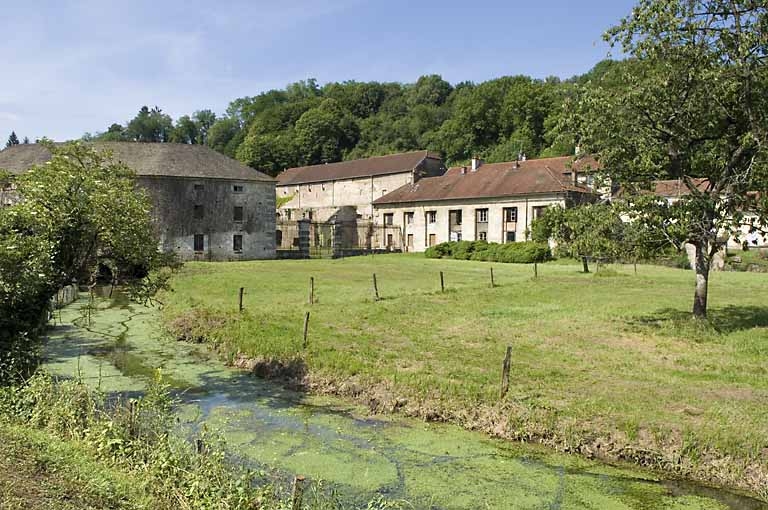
[
  {"x": 440, "y": 250},
  {"x": 517, "y": 253}
]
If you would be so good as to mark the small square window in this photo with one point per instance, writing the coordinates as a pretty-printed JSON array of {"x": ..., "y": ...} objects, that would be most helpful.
[
  {"x": 237, "y": 213},
  {"x": 510, "y": 238},
  {"x": 510, "y": 214},
  {"x": 198, "y": 212},
  {"x": 238, "y": 188},
  {"x": 237, "y": 243},
  {"x": 409, "y": 218},
  {"x": 389, "y": 219},
  {"x": 199, "y": 187},
  {"x": 431, "y": 216},
  {"x": 483, "y": 236},
  {"x": 482, "y": 215},
  {"x": 199, "y": 242}
]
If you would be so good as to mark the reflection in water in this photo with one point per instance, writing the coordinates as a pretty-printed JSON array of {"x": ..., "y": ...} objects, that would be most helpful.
[{"x": 431, "y": 465}]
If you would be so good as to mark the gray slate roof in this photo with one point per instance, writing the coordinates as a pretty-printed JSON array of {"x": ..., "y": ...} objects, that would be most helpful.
[{"x": 148, "y": 160}]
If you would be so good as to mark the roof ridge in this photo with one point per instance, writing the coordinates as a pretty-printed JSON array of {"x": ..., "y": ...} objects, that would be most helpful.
[{"x": 346, "y": 161}]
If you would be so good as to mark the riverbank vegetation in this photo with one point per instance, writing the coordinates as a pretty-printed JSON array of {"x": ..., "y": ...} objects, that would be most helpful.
[
  {"x": 67, "y": 446},
  {"x": 607, "y": 364},
  {"x": 78, "y": 218}
]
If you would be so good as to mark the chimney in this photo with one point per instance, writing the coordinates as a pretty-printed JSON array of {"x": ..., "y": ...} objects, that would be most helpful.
[{"x": 476, "y": 163}]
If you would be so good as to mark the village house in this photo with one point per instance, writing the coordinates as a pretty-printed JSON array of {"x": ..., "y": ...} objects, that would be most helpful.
[
  {"x": 206, "y": 206},
  {"x": 345, "y": 191},
  {"x": 495, "y": 202},
  {"x": 673, "y": 189}
]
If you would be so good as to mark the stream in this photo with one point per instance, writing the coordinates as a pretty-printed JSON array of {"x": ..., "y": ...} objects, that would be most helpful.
[{"x": 434, "y": 466}]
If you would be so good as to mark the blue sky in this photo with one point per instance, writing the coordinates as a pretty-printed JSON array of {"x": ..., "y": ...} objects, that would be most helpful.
[{"x": 71, "y": 67}]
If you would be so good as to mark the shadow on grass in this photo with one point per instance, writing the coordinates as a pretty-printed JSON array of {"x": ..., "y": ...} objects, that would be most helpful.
[{"x": 723, "y": 320}]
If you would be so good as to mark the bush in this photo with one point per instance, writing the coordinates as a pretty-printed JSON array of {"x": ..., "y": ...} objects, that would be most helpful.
[
  {"x": 440, "y": 250},
  {"x": 517, "y": 253}
]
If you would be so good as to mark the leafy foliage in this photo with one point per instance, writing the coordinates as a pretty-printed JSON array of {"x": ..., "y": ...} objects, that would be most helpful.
[
  {"x": 587, "y": 231},
  {"x": 80, "y": 214},
  {"x": 515, "y": 253},
  {"x": 691, "y": 103},
  {"x": 306, "y": 123}
]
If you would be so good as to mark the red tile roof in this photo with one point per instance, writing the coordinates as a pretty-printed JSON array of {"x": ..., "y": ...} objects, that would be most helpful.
[
  {"x": 379, "y": 165},
  {"x": 676, "y": 187},
  {"x": 534, "y": 176}
]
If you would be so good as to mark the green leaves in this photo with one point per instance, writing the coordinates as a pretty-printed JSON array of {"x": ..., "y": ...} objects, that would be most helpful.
[{"x": 79, "y": 213}]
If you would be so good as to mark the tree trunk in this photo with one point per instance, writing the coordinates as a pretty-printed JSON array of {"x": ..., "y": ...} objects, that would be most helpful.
[
  {"x": 585, "y": 264},
  {"x": 701, "y": 267}
]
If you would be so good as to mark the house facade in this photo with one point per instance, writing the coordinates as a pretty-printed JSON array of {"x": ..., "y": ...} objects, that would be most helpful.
[
  {"x": 345, "y": 191},
  {"x": 673, "y": 190},
  {"x": 205, "y": 205},
  {"x": 494, "y": 202}
]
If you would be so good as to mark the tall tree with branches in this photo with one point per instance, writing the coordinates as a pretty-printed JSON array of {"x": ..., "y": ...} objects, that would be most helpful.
[{"x": 690, "y": 103}]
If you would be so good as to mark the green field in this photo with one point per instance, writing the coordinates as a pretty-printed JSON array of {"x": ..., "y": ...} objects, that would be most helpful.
[{"x": 606, "y": 364}]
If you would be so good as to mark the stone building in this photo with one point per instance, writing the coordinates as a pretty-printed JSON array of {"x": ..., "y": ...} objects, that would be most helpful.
[
  {"x": 345, "y": 191},
  {"x": 206, "y": 206},
  {"x": 495, "y": 202}
]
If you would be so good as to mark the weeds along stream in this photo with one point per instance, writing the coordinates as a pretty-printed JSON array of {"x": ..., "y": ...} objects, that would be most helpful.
[{"x": 359, "y": 456}]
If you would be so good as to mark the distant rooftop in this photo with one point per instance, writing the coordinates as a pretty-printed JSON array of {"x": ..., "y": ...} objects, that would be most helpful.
[
  {"x": 530, "y": 177},
  {"x": 378, "y": 165},
  {"x": 146, "y": 159}
]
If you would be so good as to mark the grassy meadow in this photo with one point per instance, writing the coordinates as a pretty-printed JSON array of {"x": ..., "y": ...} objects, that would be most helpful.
[{"x": 607, "y": 363}]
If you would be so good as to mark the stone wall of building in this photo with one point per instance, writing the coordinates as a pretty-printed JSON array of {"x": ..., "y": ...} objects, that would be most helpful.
[
  {"x": 348, "y": 199},
  {"x": 420, "y": 232},
  {"x": 184, "y": 208}
]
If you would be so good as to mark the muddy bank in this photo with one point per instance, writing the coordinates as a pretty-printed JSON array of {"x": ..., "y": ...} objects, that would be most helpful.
[{"x": 511, "y": 421}]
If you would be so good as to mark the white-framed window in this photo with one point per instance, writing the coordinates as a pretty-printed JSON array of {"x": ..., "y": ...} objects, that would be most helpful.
[
  {"x": 389, "y": 219},
  {"x": 409, "y": 218},
  {"x": 482, "y": 215},
  {"x": 510, "y": 214},
  {"x": 431, "y": 216},
  {"x": 483, "y": 236}
]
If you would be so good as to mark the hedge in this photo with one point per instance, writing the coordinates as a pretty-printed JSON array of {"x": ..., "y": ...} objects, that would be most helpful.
[{"x": 517, "y": 253}]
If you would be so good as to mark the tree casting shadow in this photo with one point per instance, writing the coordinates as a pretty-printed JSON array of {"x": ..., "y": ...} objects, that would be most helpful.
[{"x": 726, "y": 319}]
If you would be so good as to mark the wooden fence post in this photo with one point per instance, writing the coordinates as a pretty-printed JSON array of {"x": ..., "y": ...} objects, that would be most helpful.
[
  {"x": 442, "y": 282},
  {"x": 306, "y": 328},
  {"x": 298, "y": 493},
  {"x": 375, "y": 288},
  {"x": 311, "y": 290},
  {"x": 242, "y": 289},
  {"x": 535, "y": 269},
  {"x": 505, "y": 372},
  {"x": 493, "y": 284}
]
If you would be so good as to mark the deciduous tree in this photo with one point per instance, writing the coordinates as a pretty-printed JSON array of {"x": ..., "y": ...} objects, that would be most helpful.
[{"x": 690, "y": 103}]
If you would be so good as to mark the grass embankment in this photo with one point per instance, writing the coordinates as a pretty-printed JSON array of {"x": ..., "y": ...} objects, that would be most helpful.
[
  {"x": 38, "y": 470},
  {"x": 604, "y": 364}
]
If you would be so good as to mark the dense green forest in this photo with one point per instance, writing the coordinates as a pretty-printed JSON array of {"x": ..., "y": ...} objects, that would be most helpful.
[{"x": 305, "y": 123}]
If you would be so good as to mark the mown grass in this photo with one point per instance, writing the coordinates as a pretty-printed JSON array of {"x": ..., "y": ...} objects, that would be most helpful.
[{"x": 611, "y": 356}]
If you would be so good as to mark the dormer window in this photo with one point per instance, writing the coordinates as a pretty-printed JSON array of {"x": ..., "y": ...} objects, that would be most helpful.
[{"x": 238, "y": 188}]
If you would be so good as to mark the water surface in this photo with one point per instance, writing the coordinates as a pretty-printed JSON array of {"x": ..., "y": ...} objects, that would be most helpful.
[{"x": 431, "y": 465}]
